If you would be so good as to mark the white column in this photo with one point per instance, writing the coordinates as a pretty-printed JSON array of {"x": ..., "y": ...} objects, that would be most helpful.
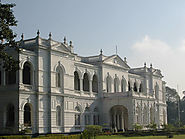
[
  {"x": 20, "y": 76},
  {"x": 81, "y": 86},
  {"x": 118, "y": 121},
  {"x": 123, "y": 127},
  {"x": 90, "y": 87},
  {"x": 114, "y": 120}
]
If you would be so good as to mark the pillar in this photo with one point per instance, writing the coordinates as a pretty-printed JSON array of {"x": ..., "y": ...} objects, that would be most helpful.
[
  {"x": 81, "y": 86},
  {"x": 90, "y": 87}
]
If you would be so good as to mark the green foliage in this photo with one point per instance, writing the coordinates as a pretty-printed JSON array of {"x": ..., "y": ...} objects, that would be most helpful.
[
  {"x": 168, "y": 127},
  {"x": 7, "y": 37},
  {"x": 15, "y": 137},
  {"x": 137, "y": 127},
  {"x": 152, "y": 126},
  {"x": 92, "y": 131}
]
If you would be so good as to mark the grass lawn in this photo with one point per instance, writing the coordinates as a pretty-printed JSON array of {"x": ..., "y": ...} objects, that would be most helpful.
[{"x": 143, "y": 137}]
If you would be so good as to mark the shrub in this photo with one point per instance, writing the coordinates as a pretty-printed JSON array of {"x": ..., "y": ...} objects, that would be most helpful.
[
  {"x": 92, "y": 131},
  {"x": 137, "y": 127}
]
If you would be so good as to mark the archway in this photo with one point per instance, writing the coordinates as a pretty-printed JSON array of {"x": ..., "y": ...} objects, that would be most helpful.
[
  {"x": 119, "y": 118},
  {"x": 27, "y": 77},
  {"x": 27, "y": 115}
]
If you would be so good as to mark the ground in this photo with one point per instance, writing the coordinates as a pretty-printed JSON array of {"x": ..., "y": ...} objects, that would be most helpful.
[{"x": 146, "y": 137}]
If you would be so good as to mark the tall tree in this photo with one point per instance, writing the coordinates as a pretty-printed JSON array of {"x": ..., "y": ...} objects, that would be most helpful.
[
  {"x": 7, "y": 37},
  {"x": 172, "y": 100}
]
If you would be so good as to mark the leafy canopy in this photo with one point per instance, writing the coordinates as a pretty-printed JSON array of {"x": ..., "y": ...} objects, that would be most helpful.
[{"x": 7, "y": 37}]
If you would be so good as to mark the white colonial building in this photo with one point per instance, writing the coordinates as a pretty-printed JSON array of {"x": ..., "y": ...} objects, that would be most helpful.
[{"x": 56, "y": 90}]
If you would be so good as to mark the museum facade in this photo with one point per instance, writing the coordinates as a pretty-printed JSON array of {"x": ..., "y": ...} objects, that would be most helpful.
[{"x": 55, "y": 91}]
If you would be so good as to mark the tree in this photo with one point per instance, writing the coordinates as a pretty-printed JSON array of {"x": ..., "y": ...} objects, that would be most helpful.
[
  {"x": 7, "y": 37},
  {"x": 172, "y": 99}
]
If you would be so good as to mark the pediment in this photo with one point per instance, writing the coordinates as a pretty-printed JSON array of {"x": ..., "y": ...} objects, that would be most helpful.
[
  {"x": 157, "y": 72},
  {"x": 59, "y": 47},
  {"x": 115, "y": 60}
]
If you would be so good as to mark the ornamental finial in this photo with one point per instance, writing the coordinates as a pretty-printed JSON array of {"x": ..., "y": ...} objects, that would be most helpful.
[
  {"x": 70, "y": 43},
  {"x": 145, "y": 64},
  {"x": 50, "y": 35},
  {"x": 125, "y": 59},
  {"x": 22, "y": 37},
  {"x": 38, "y": 33},
  {"x": 65, "y": 40},
  {"x": 101, "y": 51}
]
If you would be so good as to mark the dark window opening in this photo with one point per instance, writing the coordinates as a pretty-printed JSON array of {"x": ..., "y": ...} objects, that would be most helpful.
[
  {"x": 27, "y": 115},
  {"x": 95, "y": 84},
  {"x": 86, "y": 82},
  {"x": 135, "y": 87},
  {"x": 26, "y": 74},
  {"x": 76, "y": 81},
  {"x": 129, "y": 88}
]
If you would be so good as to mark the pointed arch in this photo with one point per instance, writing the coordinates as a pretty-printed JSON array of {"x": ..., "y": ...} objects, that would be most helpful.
[
  {"x": 123, "y": 85},
  {"x": 85, "y": 82},
  {"x": 27, "y": 114},
  {"x": 76, "y": 81},
  {"x": 59, "y": 77},
  {"x": 96, "y": 116},
  {"x": 78, "y": 115},
  {"x": 95, "y": 83},
  {"x": 27, "y": 73},
  {"x": 58, "y": 116}
]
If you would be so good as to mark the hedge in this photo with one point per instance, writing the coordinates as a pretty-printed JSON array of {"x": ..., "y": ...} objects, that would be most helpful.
[{"x": 15, "y": 137}]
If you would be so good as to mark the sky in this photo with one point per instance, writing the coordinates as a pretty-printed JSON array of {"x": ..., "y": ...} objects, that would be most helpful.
[{"x": 151, "y": 31}]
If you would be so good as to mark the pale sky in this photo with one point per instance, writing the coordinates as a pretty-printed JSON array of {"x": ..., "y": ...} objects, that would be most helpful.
[{"x": 151, "y": 31}]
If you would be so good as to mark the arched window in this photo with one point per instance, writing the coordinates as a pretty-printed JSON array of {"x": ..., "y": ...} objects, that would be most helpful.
[
  {"x": 10, "y": 77},
  {"x": 116, "y": 84},
  {"x": 129, "y": 87},
  {"x": 87, "y": 116},
  {"x": 96, "y": 116},
  {"x": 76, "y": 81},
  {"x": 145, "y": 113},
  {"x": 135, "y": 87},
  {"x": 140, "y": 87},
  {"x": 152, "y": 115},
  {"x": 27, "y": 115},
  {"x": 10, "y": 114},
  {"x": 77, "y": 116},
  {"x": 27, "y": 73},
  {"x": 58, "y": 116},
  {"x": 86, "y": 82},
  {"x": 156, "y": 91},
  {"x": 138, "y": 114},
  {"x": 95, "y": 84},
  {"x": 108, "y": 83},
  {"x": 59, "y": 77},
  {"x": 123, "y": 85}
]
